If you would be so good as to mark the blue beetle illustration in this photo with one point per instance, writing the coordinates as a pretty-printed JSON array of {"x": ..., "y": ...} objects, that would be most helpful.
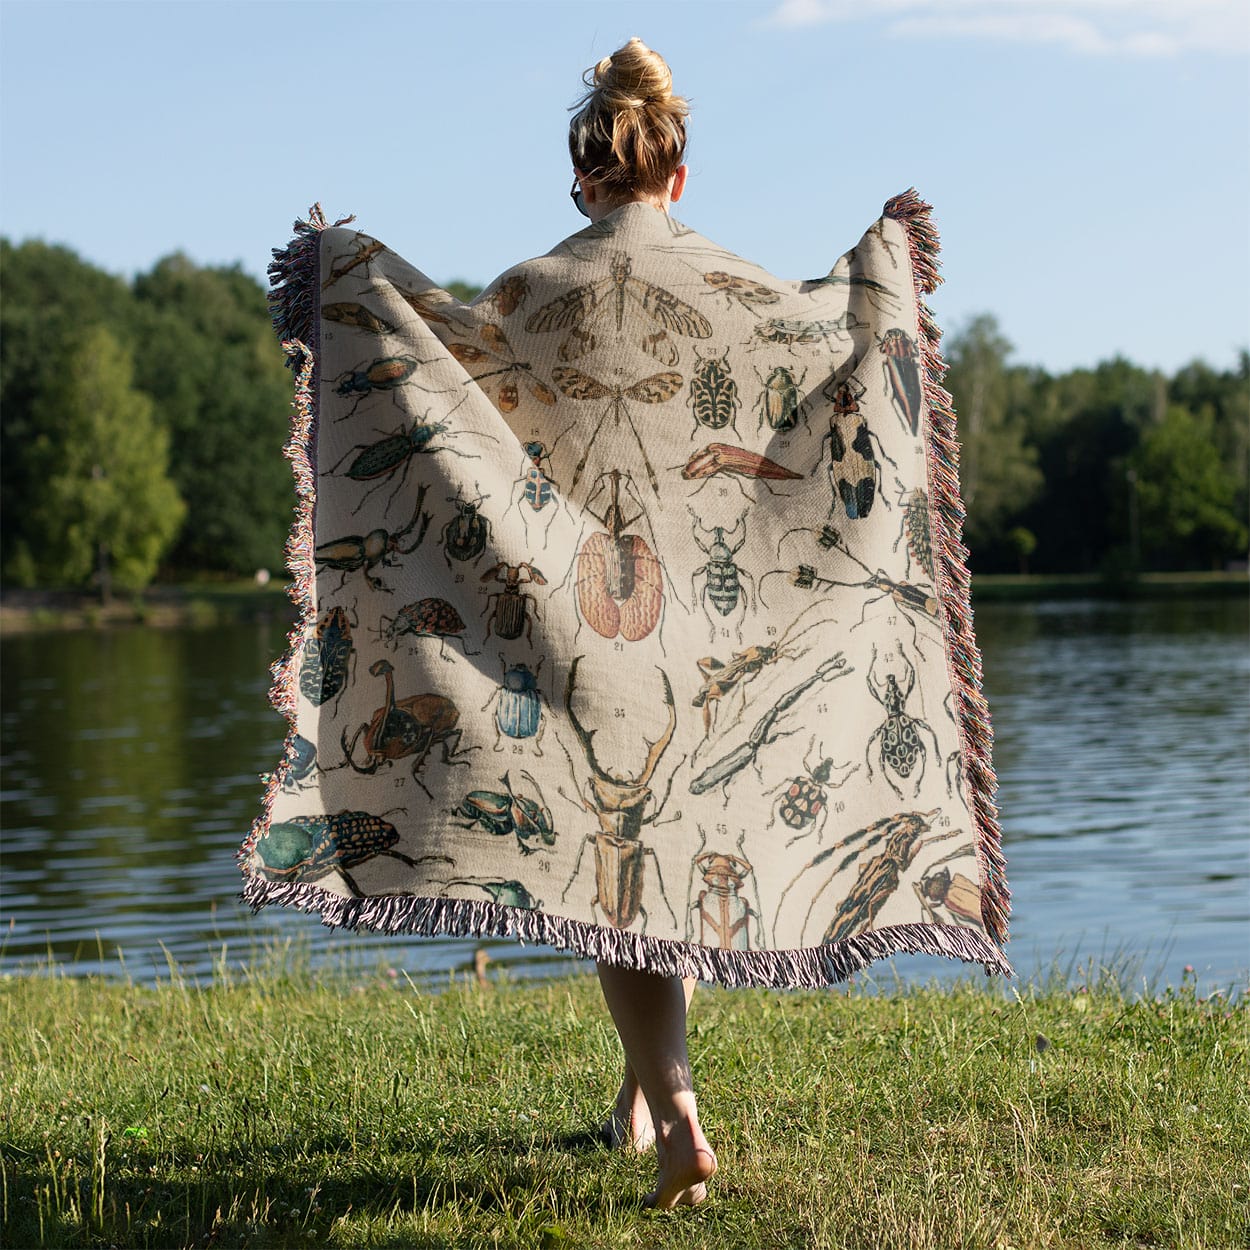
[{"x": 519, "y": 710}]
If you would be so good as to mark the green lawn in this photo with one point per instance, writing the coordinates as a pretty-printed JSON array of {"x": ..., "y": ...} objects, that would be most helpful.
[{"x": 285, "y": 1109}]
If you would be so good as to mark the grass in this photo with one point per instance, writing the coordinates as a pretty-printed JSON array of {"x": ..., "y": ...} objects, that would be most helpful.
[{"x": 289, "y": 1109}]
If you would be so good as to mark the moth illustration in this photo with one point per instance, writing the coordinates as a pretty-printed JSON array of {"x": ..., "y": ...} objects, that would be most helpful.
[
  {"x": 506, "y": 374},
  {"x": 580, "y": 310}
]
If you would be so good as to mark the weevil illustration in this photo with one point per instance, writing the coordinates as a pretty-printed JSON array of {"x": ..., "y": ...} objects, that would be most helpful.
[
  {"x": 363, "y": 552},
  {"x": 620, "y": 582},
  {"x": 403, "y": 728},
  {"x": 723, "y": 579},
  {"x": 804, "y": 805},
  {"x": 310, "y": 848},
  {"x": 396, "y": 452},
  {"x": 724, "y": 458},
  {"x": 326, "y": 657},
  {"x": 532, "y": 492},
  {"x": 790, "y": 332},
  {"x": 512, "y": 610},
  {"x": 854, "y": 470},
  {"x": 902, "y": 750},
  {"x": 427, "y": 618},
  {"x": 744, "y": 291},
  {"x": 723, "y": 914},
  {"x": 713, "y": 397},
  {"x": 899, "y": 838},
  {"x": 356, "y": 315},
  {"x": 465, "y": 536},
  {"x": 519, "y": 705},
  {"x": 780, "y": 402},
  {"x": 509, "y": 814},
  {"x": 659, "y": 388},
  {"x": 765, "y": 732},
  {"x": 721, "y": 678},
  {"x": 915, "y": 527},
  {"x": 957, "y": 895},
  {"x": 901, "y": 366},
  {"x": 619, "y": 802}
]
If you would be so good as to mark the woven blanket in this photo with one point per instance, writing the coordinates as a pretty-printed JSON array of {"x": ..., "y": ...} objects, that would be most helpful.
[{"x": 634, "y": 618}]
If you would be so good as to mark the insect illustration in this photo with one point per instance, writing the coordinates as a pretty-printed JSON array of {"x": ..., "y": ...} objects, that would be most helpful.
[
  {"x": 827, "y": 537},
  {"x": 395, "y": 454},
  {"x": 745, "y": 291},
  {"x": 434, "y": 306},
  {"x": 514, "y": 610},
  {"x": 765, "y": 731},
  {"x": 620, "y": 583},
  {"x": 659, "y": 388},
  {"x": 780, "y": 402},
  {"x": 854, "y": 471},
  {"x": 915, "y": 526},
  {"x": 619, "y": 802},
  {"x": 386, "y": 373},
  {"x": 532, "y": 492},
  {"x": 902, "y": 376},
  {"x": 736, "y": 462},
  {"x": 310, "y": 848},
  {"x": 958, "y": 895},
  {"x": 509, "y": 814},
  {"x": 724, "y": 916},
  {"x": 899, "y": 838},
  {"x": 722, "y": 578},
  {"x": 465, "y": 536},
  {"x": 427, "y": 618},
  {"x": 508, "y": 374},
  {"x": 326, "y": 657},
  {"x": 356, "y": 552},
  {"x": 804, "y": 805},
  {"x": 902, "y": 749},
  {"x": 356, "y": 315},
  {"x": 579, "y": 310},
  {"x": 790, "y": 332},
  {"x": 713, "y": 397},
  {"x": 504, "y": 893},
  {"x": 879, "y": 295},
  {"x": 366, "y": 250},
  {"x": 510, "y": 294},
  {"x": 954, "y": 768},
  {"x": 720, "y": 678},
  {"x": 518, "y": 705},
  {"x": 406, "y": 727},
  {"x": 301, "y": 762}
]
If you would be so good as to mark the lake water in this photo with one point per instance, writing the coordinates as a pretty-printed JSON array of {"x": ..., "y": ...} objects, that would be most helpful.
[{"x": 130, "y": 762}]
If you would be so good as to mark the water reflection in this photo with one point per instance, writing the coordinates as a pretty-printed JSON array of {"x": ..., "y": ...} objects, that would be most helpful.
[{"x": 131, "y": 760}]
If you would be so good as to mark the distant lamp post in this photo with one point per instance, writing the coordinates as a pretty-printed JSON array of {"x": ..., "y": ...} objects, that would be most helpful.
[{"x": 1134, "y": 527}]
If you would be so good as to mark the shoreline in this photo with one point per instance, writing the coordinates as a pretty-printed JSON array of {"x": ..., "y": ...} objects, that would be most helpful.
[{"x": 206, "y": 604}]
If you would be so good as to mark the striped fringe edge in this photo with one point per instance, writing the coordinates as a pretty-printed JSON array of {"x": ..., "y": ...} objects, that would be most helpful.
[
  {"x": 809, "y": 968},
  {"x": 954, "y": 581},
  {"x": 295, "y": 308}
]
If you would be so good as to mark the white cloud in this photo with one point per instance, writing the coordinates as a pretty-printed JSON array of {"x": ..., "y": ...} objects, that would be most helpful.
[{"x": 1135, "y": 28}]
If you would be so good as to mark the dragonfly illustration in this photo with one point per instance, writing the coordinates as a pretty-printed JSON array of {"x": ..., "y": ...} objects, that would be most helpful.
[
  {"x": 656, "y": 389},
  {"x": 508, "y": 371},
  {"x": 580, "y": 310}
]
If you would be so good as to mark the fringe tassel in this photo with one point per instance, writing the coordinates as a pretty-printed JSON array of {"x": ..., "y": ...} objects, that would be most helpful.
[
  {"x": 809, "y": 968},
  {"x": 295, "y": 305},
  {"x": 954, "y": 581}
]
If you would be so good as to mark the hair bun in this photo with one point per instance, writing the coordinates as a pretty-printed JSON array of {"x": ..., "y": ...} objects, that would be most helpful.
[{"x": 633, "y": 76}]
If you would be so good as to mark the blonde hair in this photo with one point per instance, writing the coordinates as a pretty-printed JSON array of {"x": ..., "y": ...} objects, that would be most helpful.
[{"x": 629, "y": 132}]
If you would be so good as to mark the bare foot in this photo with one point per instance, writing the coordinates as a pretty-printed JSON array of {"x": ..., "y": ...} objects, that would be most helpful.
[
  {"x": 629, "y": 1126},
  {"x": 686, "y": 1164}
]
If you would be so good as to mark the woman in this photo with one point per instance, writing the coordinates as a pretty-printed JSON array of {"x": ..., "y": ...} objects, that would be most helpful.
[{"x": 639, "y": 573}]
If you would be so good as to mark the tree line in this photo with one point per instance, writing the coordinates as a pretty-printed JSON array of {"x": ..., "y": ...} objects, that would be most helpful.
[{"x": 143, "y": 423}]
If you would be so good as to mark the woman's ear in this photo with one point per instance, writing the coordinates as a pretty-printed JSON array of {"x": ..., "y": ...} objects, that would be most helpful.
[{"x": 678, "y": 185}]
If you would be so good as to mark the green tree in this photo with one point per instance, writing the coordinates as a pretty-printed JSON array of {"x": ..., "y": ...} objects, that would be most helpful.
[
  {"x": 997, "y": 467},
  {"x": 1186, "y": 494},
  {"x": 105, "y": 503}
]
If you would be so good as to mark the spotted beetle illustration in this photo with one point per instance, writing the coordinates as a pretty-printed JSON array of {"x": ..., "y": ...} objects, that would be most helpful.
[
  {"x": 804, "y": 805},
  {"x": 427, "y": 618},
  {"x": 713, "y": 397},
  {"x": 854, "y": 470},
  {"x": 902, "y": 750}
]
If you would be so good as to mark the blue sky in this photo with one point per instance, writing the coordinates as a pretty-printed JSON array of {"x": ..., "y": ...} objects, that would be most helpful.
[{"x": 1086, "y": 158}]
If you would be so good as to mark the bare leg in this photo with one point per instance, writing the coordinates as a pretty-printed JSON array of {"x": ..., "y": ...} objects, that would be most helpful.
[
  {"x": 650, "y": 1016},
  {"x": 629, "y": 1125}
]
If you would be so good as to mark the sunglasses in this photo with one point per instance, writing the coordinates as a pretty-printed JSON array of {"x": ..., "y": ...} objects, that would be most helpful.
[{"x": 576, "y": 196}]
